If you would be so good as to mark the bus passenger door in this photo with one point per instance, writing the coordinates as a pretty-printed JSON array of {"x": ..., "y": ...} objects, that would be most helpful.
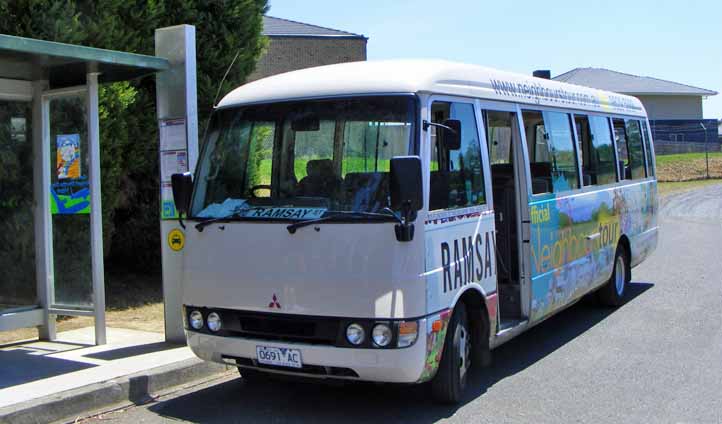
[
  {"x": 508, "y": 182},
  {"x": 459, "y": 229}
]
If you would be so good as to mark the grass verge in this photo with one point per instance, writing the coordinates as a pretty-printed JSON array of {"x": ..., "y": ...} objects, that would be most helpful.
[{"x": 688, "y": 166}]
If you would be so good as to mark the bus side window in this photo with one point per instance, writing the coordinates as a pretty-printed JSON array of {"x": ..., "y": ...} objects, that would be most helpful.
[
  {"x": 635, "y": 149},
  {"x": 552, "y": 155},
  {"x": 537, "y": 141},
  {"x": 620, "y": 139},
  {"x": 457, "y": 178},
  {"x": 602, "y": 154},
  {"x": 499, "y": 128},
  {"x": 648, "y": 147},
  {"x": 589, "y": 175}
]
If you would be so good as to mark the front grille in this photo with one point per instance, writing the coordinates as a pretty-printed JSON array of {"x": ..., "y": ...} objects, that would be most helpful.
[
  {"x": 280, "y": 327},
  {"x": 311, "y": 330},
  {"x": 277, "y": 327}
]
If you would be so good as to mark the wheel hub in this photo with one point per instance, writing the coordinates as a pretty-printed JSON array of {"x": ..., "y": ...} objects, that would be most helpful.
[
  {"x": 464, "y": 350},
  {"x": 619, "y": 276}
]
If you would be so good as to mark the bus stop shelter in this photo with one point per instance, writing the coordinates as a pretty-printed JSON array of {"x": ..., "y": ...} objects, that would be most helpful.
[{"x": 51, "y": 238}]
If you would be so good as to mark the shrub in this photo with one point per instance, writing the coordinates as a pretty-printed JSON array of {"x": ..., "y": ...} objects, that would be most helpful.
[{"x": 128, "y": 125}]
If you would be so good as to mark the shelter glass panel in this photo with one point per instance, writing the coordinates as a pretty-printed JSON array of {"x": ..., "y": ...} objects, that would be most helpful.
[
  {"x": 70, "y": 202},
  {"x": 18, "y": 288}
]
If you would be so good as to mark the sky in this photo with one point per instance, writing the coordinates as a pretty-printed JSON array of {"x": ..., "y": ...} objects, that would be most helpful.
[{"x": 680, "y": 41}]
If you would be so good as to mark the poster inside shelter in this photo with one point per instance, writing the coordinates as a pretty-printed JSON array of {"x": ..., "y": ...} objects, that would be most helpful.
[
  {"x": 68, "y": 156},
  {"x": 70, "y": 194}
]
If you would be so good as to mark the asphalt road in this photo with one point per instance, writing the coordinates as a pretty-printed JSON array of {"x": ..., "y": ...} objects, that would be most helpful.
[{"x": 658, "y": 358}]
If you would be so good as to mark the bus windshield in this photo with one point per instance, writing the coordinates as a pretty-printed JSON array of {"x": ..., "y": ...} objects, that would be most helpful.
[{"x": 301, "y": 160}]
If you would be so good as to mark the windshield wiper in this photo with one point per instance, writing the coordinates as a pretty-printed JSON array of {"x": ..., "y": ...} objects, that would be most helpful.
[
  {"x": 340, "y": 216},
  {"x": 203, "y": 224}
]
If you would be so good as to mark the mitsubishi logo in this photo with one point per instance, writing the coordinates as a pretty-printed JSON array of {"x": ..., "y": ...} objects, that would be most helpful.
[{"x": 274, "y": 302}]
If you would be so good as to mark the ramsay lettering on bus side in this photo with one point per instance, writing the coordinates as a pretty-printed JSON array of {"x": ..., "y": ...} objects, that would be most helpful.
[{"x": 467, "y": 260}]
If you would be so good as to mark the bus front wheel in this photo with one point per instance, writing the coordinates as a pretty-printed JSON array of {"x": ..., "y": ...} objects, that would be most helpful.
[
  {"x": 612, "y": 293},
  {"x": 450, "y": 381}
]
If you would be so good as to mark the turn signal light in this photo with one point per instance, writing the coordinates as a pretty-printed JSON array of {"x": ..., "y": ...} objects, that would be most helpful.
[{"x": 408, "y": 332}]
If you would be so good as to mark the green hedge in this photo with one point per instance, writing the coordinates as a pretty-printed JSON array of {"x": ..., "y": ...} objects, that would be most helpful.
[{"x": 129, "y": 130}]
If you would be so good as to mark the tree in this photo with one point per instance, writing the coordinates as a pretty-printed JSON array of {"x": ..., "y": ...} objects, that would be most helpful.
[{"x": 128, "y": 126}]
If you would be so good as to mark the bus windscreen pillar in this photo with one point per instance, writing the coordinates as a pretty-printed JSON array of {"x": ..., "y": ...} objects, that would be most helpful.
[{"x": 176, "y": 100}]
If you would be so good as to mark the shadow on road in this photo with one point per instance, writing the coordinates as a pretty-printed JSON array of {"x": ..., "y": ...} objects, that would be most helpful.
[{"x": 281, "y": 401}]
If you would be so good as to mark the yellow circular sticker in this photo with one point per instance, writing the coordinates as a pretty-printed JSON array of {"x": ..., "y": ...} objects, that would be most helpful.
[{"x": 176, "y": 239}]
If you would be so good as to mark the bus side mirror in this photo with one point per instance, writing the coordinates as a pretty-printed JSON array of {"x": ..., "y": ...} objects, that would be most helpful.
[
  {"x": 406, "y": 193},
  {"x": 182, "y": 189},
  {"x": 451, "y": 136}
]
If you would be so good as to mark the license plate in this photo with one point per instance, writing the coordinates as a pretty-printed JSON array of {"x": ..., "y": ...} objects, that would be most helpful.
[{"x": 279, "y": 356}]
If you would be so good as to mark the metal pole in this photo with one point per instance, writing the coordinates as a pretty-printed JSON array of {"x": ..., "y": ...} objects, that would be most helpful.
[
  {"x": 96, "y": 215},
  {"x": 706, "y": 152},
  {"x": 43, "y": 220}
]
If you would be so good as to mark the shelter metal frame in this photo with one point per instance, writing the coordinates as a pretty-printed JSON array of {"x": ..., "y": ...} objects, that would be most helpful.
[{"x": 37, "y": 72}]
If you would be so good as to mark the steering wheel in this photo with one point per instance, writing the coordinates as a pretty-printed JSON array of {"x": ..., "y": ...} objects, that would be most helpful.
[{"x": 259, "y": 187}]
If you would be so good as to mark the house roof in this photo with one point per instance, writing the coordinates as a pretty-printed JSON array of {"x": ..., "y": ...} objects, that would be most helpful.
[
  {"x": 277, "y": 27},
  {"x": 620, "y": 82}
]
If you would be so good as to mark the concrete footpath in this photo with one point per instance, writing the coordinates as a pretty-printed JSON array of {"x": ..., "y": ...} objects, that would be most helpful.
[{"x": 42, "y": 382}]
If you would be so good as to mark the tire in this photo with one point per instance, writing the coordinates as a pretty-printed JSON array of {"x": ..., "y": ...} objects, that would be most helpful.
[
  {"x": 450, "y": 381},
  {"x": 612, "y": 293}
]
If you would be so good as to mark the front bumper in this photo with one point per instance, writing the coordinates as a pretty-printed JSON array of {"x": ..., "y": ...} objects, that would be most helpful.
[{"x": 401, "y": 365}]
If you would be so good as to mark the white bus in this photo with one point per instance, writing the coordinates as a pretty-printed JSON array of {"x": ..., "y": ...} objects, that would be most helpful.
[{"x": 395, "y": 221}]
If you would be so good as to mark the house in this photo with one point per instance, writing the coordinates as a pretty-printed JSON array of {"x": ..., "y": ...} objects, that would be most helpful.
[
  {"x": 674, "y": 109},
  {"x": 296, "y": 45}
]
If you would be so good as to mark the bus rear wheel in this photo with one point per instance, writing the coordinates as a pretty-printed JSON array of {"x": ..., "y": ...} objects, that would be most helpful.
[
  {"x": 612, "y": 293},
  {"x": 450, "y": 381}
]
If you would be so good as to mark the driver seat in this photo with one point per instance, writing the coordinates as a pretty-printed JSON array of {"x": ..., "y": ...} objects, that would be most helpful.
[{"x": 320, "y": 181}]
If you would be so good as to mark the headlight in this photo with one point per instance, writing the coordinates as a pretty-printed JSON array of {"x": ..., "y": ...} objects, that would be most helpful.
[
  {"x": 214, "y": 322},
  {"x": 408, "y": 332},
  {"x": 196, "y": 320},
  {"x": 355, "y": 334},
  {"x": 382, "y": 335}
]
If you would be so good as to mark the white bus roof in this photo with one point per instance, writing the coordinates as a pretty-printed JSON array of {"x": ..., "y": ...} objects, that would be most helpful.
[{"x": 429, "y": 76}]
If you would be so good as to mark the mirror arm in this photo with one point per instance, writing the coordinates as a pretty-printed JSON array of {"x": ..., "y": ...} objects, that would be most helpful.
[
  {"x": 396, "y": 216},
  {"x": 405, "y": 229},
  {"x": 180, "y": 221},
  {"x": 428, "y": 124}
]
